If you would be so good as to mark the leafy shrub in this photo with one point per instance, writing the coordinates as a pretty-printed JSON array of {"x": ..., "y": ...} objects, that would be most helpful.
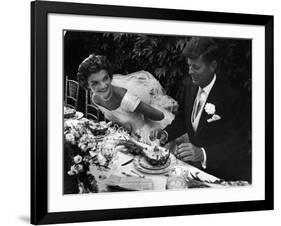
[{"x": 161, "y": 55}]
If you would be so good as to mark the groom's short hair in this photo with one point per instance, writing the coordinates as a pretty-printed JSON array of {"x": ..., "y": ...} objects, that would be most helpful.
[{"x": 202, "y": 46}]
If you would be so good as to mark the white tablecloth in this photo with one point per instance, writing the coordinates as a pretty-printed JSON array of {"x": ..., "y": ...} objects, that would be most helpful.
[{"x": 159, "y": 180}]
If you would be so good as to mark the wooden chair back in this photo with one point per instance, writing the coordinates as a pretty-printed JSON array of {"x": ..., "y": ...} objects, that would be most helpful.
[
  {"x": 71, "y": 93},
  {"x": 91, "y": 110}
]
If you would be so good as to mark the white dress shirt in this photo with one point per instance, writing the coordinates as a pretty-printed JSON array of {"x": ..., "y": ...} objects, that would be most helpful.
[
  {"x": 195, "y": 122},
  {"x": 207, "y": 90}
]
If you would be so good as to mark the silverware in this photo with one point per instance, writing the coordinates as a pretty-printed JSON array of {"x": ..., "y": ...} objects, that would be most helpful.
[
  {"x": 128, "y": 162},
  {"x": 126, "y": 174},
  {"x": 139, "y": 175}
]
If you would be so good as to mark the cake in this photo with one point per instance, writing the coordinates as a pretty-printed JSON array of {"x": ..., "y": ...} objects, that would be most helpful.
[
  {"x": 156, "y": 155},
  {"x": 69, "y": 112}
]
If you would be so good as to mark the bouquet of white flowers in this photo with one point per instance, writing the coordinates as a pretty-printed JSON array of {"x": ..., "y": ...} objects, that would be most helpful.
[{"x": 94, "y": 144}]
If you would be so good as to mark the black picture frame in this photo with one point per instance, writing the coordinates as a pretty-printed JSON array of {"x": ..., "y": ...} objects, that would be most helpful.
[{"x": 39, "y": 112}]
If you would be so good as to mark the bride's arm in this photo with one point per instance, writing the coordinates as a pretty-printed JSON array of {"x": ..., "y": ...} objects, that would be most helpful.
[
  {"x": 149, "y": 111},
  {"x": 132, "y": 103}
]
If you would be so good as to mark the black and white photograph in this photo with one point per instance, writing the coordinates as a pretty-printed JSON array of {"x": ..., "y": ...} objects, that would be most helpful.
[
  {"x": 150, "y": 112},
  {"x": 140, "y": 112}
]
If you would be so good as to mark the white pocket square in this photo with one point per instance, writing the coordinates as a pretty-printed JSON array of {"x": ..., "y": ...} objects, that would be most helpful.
[{"x": 214, "y": 118}]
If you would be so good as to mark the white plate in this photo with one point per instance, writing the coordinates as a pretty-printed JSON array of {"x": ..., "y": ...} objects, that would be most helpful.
[
  {"x": 78, "y": 115},
  {"x": 154, "y": 170}
]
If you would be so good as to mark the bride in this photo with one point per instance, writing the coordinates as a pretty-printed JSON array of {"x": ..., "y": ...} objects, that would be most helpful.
[{"x": 135, "y": 101}]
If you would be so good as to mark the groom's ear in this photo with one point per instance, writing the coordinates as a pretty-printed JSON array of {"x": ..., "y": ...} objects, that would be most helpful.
[{"x": 213, "y": 65}]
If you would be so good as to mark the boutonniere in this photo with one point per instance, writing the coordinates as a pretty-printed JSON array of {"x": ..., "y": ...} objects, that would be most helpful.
[{"x": 211, "y": 110}]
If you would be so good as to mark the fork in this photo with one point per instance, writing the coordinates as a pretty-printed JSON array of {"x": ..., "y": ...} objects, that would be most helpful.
[{"x": 141, "y": 176}]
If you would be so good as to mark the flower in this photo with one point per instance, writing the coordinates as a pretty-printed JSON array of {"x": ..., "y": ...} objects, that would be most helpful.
[
  {"x": 71, "y": 172},
  {"x": 101, "y": 159},
  {"x": 83, "y": 147},
  {"x": 77, "y": 159},
  {"x": 79, "y": 168},
  {"x": 70, "y": 138},
  {"x": 210, "y": 109},
  {"x": 86, "y": 142},
  {"x": 75, "y": 169}
]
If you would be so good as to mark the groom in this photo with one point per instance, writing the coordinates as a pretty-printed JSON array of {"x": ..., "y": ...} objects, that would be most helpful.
[{"x": 214, "y": 120}]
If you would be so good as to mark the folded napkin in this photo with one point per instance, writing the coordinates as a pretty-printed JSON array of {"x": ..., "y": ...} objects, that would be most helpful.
[{"x": 130, "y": 183}]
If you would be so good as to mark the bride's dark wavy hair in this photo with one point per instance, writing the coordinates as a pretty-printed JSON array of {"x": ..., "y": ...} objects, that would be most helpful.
[{"x": 92, "y": 64}]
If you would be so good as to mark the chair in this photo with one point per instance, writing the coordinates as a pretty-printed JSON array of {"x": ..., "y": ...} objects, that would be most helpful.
[
  {"x": 92, "y": 111},
  {"x": 71, "y": 93}
]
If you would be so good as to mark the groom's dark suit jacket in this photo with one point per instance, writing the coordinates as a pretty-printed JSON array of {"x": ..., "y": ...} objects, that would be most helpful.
[{"x": 226, "y": 140}]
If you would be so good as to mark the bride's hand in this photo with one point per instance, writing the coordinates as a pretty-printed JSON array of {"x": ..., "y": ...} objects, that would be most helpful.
[{"x": 160, "y": 134}]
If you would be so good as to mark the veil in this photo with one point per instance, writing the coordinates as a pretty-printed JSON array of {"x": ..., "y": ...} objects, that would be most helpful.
[{"x": 149, "y": 90}]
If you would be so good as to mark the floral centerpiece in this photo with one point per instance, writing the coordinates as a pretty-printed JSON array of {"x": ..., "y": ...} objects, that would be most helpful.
[{"x": 94, "y": 144}]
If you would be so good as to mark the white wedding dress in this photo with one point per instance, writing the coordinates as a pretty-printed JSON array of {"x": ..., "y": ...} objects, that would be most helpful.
[{"x": 141, "y": 86}]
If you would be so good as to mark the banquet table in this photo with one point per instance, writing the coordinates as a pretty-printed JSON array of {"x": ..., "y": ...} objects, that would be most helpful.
[
  {"x": 124, "y": 167},
  {"x": 130, "y": 170}
]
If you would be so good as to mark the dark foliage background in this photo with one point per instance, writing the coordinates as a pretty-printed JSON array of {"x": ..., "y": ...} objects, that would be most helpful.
[{"x": 161, "y": 55}]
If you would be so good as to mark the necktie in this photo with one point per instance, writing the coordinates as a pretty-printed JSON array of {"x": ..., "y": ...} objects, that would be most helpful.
[{"x": 198, "y": 105}]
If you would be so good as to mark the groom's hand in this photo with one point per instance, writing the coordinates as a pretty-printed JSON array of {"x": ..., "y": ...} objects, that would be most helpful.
[
  {"x": 188, "y": 152},
  {"x": 183, "y": 139}
]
